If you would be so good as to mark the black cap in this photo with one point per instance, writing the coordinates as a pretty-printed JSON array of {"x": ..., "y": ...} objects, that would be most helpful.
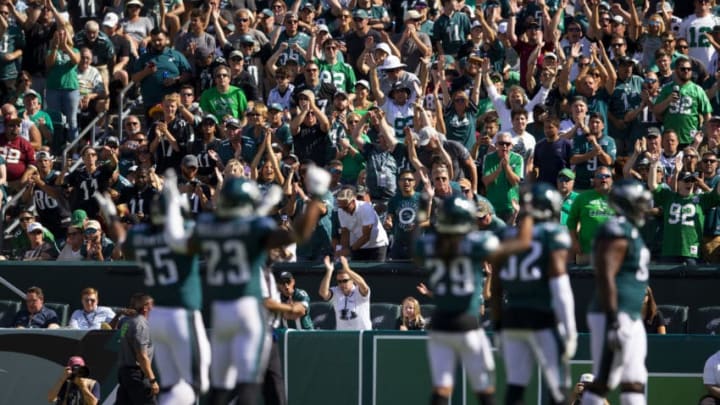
[
  {"x": 643, "y": 161},
  {"x": 626, "y": 60},
  {"x": 687, "y": 176},
  {"x": 286, "y": 276}
]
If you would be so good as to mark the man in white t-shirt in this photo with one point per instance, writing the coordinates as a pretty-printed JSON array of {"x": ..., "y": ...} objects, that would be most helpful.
[
  {"x": 711, "y": 379},
  {"x": 350, "y": 298},
  {"x": 362, "y": 236}
]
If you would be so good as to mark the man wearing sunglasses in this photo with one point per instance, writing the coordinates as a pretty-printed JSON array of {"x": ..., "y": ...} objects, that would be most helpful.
[
  {"x": 350, "y": 297},
  {"x": 299, "y": 318},
  {"x": 589, "y": 210},
  {"x": 683, "y": 105}
]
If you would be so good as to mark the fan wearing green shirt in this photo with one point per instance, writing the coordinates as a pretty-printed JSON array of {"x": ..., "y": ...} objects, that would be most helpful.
[
  {"x": 683, "y": 215},
  {"x": 589, "y": 210},
  {"x": 502, "y": 172},
  {"x": 683, "y": 105},
  {"x": 333, "y": 70},
  {"x": 223, "y": 99},
  {"x": 451, "y": 29}
]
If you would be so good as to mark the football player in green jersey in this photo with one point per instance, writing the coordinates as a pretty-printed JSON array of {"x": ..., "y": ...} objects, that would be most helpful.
[
  {"x": 617, "y": 336},
  {"x": 455, "y": 254},
  {"x": 533, "y": 302},
  {"x": 182, "y": 350},
  {"x": 235, "y": 240}
]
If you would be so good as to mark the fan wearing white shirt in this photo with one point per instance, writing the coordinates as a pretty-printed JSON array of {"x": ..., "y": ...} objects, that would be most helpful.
[
  {"x": 350, "y": 298},
  {"x": 91, "y": 316}
]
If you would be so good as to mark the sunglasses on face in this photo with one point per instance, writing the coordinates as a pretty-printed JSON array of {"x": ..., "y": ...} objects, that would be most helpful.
[
  {"x": 602, "y": 176},
  {"x": 709, "y": 161},
  {"x": 681, "y": 47},
  {"x": 343, "y": 281},
  {"x": 504, "y": 143},
  {"x": 685, "y": 69}
]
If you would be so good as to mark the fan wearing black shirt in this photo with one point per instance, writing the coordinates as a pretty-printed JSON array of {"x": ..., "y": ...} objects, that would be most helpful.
[{"x": 171, "y": 136}]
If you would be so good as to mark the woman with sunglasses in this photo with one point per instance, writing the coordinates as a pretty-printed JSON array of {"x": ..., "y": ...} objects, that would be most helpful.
[{"x": 652, "y": 39}]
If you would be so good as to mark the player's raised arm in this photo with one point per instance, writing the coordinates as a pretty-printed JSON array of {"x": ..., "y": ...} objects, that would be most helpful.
[
  {"x": 176, "y": 236},
  {"x": 317, "y": 182},
  {"x": 514, "y": 246}
]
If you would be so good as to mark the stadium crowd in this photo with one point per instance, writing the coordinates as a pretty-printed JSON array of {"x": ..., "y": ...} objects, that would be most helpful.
[{"x": 404, "y": 103}]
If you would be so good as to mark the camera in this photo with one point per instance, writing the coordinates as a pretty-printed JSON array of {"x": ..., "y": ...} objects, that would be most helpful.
[
  {"x": 79, "y": 371},
  {"x": 346, "y": 314},
  {"x": 194, "y": 183}
]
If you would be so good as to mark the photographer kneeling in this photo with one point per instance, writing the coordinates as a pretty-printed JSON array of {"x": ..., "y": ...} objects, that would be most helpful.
[{"x": 73, "y": 387}]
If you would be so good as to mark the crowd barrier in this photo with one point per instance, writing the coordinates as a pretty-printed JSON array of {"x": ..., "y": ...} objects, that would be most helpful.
[
  {"x": 694, "y": 287},
  {"x": 326, "y": 367}
]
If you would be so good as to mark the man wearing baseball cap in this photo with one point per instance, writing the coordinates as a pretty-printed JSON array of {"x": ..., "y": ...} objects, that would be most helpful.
[
  {"x": 74, "y": 386},
  {"x": 299, "y": 318}
]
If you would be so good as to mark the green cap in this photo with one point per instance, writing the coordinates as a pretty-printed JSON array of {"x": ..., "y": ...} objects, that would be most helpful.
[
  {"x": 78, "y": 218},
  {"x": 567, "y": 173}
]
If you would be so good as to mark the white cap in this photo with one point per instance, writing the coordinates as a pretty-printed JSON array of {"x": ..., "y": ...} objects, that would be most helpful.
[
  {"x": 34, "y": 226},
  {"x": 111, "y": 20},
  {"x": 412, "y": 15},
  {"x": 587, "y": 378},
  {"x": 664, "y": 6},
  {"x": 383, "y": 47},
  {"x": 425, "y": 134}
]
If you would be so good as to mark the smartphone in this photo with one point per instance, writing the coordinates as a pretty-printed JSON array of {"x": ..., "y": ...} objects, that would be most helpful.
[{"x": 502, "y": 27}]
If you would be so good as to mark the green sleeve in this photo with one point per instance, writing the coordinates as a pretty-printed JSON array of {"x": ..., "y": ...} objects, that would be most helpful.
[
  {"x": 519, "y": 169},
  {"x": 490, "y": 164},
  {"x": 242, "y": 104},
  {"x": 574, "y": 215}
]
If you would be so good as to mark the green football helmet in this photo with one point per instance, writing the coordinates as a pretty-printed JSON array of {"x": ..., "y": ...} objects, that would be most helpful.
[
  {"x": 543, "y": 202},
  {"x": 456, "y": 216},
  {"x": 630, "y": 199},
  {"x": 238, "y": 197}
]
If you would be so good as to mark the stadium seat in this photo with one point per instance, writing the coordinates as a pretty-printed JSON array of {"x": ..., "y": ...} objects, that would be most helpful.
[
  {"x": 62, "y": 311},
  {"x": 8, "y": 309},
  {"x": 427, "y": 310},
  {"x": 384, "y": 316},
  {"x": 705, "y": 320},
  {"x": 676, "y": 317},
  {"x": 323, "y": 315}
]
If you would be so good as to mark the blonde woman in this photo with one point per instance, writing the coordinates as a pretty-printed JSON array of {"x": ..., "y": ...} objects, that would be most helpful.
[
  {"x": 62, "y": 86},
  {"x": 651, "y": 40},
  {"x": 410, "y": 316}
]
